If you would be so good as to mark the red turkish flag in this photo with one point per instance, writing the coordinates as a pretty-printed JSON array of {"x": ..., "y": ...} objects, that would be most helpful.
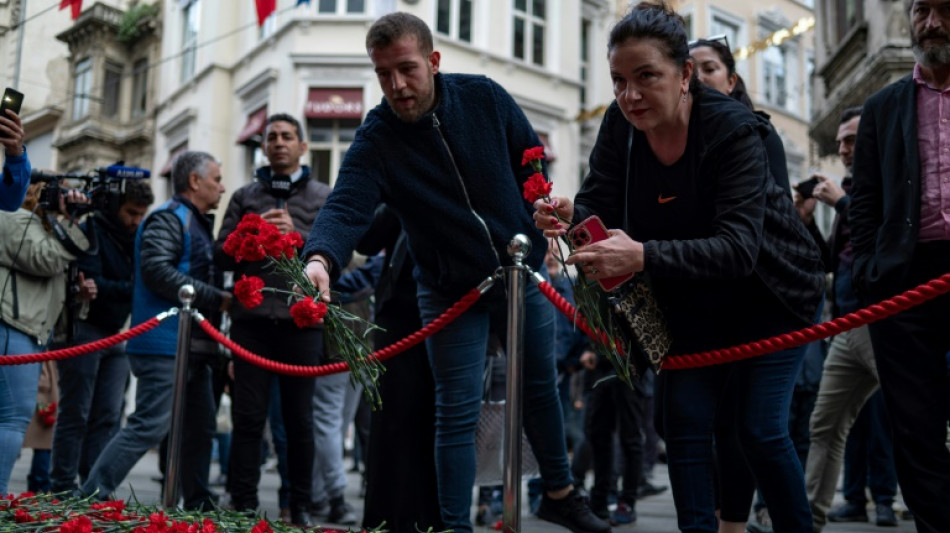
[
  {"x": 75, "y": 4},
  {"x": 264, "y": 9}
]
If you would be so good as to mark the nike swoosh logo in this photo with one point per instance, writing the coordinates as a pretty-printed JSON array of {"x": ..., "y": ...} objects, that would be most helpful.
[{"x": 663, "y": 200}]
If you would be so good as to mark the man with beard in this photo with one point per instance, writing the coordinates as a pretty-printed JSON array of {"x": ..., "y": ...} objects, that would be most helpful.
[
  {"x": 92, "y": 385},
  {"x": 444, "y": 152},
  {"x": 900, "y": 230}
]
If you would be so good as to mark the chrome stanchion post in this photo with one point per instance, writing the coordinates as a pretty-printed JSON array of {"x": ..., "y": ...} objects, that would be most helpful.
[
  {"x": 186, "y": 294},
  {"x": 519, "y": 248}
]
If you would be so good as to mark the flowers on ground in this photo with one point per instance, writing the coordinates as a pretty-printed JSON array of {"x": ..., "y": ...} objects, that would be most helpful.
[
  {"x": 45, "y": 513},
  {"x": 255, "y": 239}
]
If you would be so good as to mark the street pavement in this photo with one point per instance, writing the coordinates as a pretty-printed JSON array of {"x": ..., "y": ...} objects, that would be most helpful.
[{"x": 655, "y": 514}]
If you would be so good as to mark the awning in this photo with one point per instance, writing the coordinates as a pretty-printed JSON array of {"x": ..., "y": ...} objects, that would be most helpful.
[
  {"x": 334, "y": 103},
  {"x": 549, "y": 154},
  {"x": 167, "y": 167},
  {"x": 254, "y": 129}
]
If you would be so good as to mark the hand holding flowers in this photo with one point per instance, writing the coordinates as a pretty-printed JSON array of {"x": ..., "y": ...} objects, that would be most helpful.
[{"x": 256, "y": 239}]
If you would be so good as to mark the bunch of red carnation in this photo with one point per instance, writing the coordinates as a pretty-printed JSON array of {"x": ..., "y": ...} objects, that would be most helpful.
[
  {"x": 537, "y": 186},
  {"x": 47, "y": 413},
  {"x": 254, "y": 239}
]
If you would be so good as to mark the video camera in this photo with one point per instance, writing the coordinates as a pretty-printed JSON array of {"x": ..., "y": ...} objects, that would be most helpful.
[{"x": 104, "y": 186}]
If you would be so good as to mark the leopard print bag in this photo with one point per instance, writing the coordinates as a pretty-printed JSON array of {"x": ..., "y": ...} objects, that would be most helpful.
[{"x": 641, "y": 321}]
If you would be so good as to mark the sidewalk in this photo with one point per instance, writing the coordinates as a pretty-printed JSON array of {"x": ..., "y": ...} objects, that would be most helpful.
[{"x": 655, "y": 514}]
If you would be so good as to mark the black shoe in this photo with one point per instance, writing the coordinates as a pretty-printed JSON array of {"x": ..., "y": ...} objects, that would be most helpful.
[
  {"x": 885, "y": 516},
  {"x": 300, "y": 517},
  {"x": 647, "y": 489},
  {"x": 319, "y": 511},
  {"x": 572, "y": 512},
  {"x": 341, "y": 513},
  {"x": 849, "y": 512}
]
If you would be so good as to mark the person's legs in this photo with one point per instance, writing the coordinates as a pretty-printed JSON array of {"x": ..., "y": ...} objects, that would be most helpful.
[
  {"x": 765, "y": 384},
  {"x": 882, "y": 475},
  {"x": 855, "y": 478},
  {"x": 846, "y": 383},
  {"x": 296, "y": 401},
  {"x": 77, "y": 381},
  {"x": 457, "y": 357},
  {"x": 249, "y": 404},
  {"x": 38, "y": 479},
  {"x": 329, "y": 474},
  {"x": 910, "y": 349},
  {"x": 197, "y": 434},
  {"x": 690, "y": 401},
  {"x": 601, "y": 421},
  {"x": 18, "y": 385},
  {"x": 630, "y": 417},
  {"x": 108, "y": 400},
  {"x": 736, "y": 484},
  {"x": 144, "y": 429},
  {"x": 278, "y": 438}
]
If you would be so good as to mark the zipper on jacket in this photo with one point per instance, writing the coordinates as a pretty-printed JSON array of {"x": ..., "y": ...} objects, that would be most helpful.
[
  {"x": 468, "y": 201},
  {"x": 16, "y": 299}
]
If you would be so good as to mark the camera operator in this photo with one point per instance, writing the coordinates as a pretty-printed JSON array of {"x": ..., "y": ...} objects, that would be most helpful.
[
  {"x": 16, "y": 166},
  {"x": 33, "y": 263},
  {"x": 92, "y": 385}
]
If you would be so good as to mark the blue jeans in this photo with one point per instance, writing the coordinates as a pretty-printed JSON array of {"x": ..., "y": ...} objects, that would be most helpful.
[
  {"x": 38, "y": 479},
  {"x": 18, "y": 386},
  {"x": 763, "y": 392},
  {"x": 457, "y": 357},
  {"x": 91, "y": 391},
  {"x": 151, "y": 421},
  {"x": 329, "y": 474},
  {"x": 869, "y": 456}
]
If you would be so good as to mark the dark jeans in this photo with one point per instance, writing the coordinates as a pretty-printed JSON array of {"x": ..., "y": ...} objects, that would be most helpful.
[
  {"x": 278, "y": 435},
  {"x": 910, "y": 349},
  {"x": 151, "y": 421},
  {"x": 869, "y": 456},
  {"x": 91, "y": 389},
  {"x": 763, "y": 390},
  {"x": 614, "y": 406},
  {"x": 285, "y": 342},
  {"x": 38, "y": 479}
]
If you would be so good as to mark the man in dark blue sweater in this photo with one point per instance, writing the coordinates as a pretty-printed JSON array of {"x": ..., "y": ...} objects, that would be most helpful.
[{"x": 444, "y": 152}]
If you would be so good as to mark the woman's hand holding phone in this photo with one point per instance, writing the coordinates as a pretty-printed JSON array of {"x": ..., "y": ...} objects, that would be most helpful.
[{"x": 610, "y": 257}]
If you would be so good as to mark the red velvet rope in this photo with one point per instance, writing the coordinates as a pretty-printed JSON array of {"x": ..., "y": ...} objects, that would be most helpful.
[
  {"x": 873, "y": 313},
  {"x": 382, "y": 354},
  {"x": 74, "y": 351}
]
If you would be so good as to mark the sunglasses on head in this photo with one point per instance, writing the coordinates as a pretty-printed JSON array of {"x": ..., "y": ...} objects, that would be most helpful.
[{"x": 721, "y": 38}]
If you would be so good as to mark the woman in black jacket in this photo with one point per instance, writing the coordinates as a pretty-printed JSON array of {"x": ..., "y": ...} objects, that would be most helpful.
[{"x": 683, "y": 169}]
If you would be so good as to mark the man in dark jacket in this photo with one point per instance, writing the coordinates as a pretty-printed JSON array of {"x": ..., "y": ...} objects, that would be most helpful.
[
  {"x": 900, "y": 230},
  {"x": 445, "y": 153},
  {"x": 92, "y": 386},
  {"x": 173, "y": 247},
  {"x": 287, "y": 195}
]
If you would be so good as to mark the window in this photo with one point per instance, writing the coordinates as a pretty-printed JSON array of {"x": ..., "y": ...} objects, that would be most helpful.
[
  {"x": 329, "y": 141},
  {"x": 454, "y": 19},
  {"x": 584, "y": 60},
  {"x": 342, "y": 7},
  {"x": 688, "y": 26},
  {"x": 775, "y": 76},
  {"x": 81, "y": 88},
  {"x": 111, "y": 90},
  {"x": 848, "y": 13},
  {"x": 139, "y": 88},
  {"x": 721, "y": 25},
  {"x": 191, "y": 16},
  {"x": 528, "y": 30}
]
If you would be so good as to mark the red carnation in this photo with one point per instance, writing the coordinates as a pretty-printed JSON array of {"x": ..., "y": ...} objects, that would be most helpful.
[
  {"x": 250, "y": 223},
  {"x": 248, "y": 291},
  {"x": 262, "y": 527},
  {"x": 532, "y": 154},
  {"x": 22, "y": 516},
  {"x": 291, "y": 242},
  {"x": 536, "y": 187},
  {"x": 80, "y": 524},
  {"x": 307, "y": 312}
]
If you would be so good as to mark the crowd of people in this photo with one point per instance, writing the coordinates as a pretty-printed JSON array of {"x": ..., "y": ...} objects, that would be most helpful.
[{"x": 692, "y": 182}]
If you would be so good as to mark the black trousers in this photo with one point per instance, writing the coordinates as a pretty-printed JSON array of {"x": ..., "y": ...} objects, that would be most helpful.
[
  {"x": 910, "y": 349},
  {"x": 279, "y": 341},
  {"x": 614, "y": 406}
]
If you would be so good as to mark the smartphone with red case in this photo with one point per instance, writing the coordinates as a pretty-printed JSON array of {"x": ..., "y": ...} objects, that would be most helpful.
[{"x": 592, "y": 229}]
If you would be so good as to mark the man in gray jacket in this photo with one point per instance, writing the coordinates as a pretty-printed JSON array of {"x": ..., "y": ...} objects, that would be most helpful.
[{"x": 287, "y": 195}]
